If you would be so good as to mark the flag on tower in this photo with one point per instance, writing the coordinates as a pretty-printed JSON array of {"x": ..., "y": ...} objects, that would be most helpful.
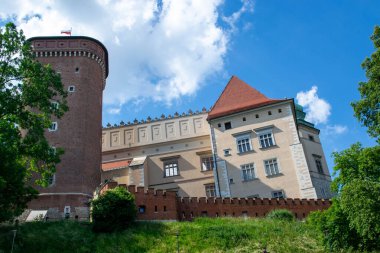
[{"x": 68, "y": 32}]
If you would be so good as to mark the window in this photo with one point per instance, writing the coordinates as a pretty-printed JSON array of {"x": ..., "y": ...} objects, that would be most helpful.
[
  {"x": 279, "y": 110},
  {"x": 53, "y": 127},
  {"x": 171, "y": 168},
  {"x": 51, "y": 180},
  {"x": 311, "y": 137},
  {"x": 71, "y": 88},
  {"x": 248, "y": 171},
  {"x": 142, "y": 209},
  {"x": 271, "y": 167},
  {"x": 67, "y": 211},
  {"x": 257, "y": 116},
  {"x": 227, "y": 125},
  {"x": 266, "y": 138},
  {"x": 244, "y": 119},
  {"x": 278, "y": 194},
  {"x": 227, "y": 152},
  {"x": 55, "y": 105},
  {"x": 269, "y": 113},
  {"x": 243, "y": 143},
  {"x": 207, "y": 163},
  {"x": 318, "y": 163},
  {"x": 210, "y": 190},
  {"x": 219, "y": 125}
]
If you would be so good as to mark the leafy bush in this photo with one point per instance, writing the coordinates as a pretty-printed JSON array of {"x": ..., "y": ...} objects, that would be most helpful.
[
  {"x": 114, "y": 210},
  {"x": 333, "y": 227},
  {"x": 281, "y": 214}
]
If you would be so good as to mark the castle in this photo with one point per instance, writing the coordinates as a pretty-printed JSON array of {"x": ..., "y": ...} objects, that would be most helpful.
[{"x": 246, "y": 145}]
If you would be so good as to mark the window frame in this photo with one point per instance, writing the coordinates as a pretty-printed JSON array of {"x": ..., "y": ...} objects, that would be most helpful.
[
  {"x": 248, "y": 167},
  {"x": 55, "y": 105},
  {"x": 170, "y": 162},
  {"x": 55, "y": 128},
  {"x": 227, "y": 152},
  {"x": 278, "y": 167},
  {"x": 230, "y": 125},
  {"x": 264, "y": 132},
  {"x": 248, "y": 143},
  {"x": 210, "y": 162},
  {"x": 51, "y": 180},
  {"x": 276, "y": 192},
  {"x": 73, "y": 88},
  {"x": 210, "y": 190},
  {"x": 318, "y": 161}
]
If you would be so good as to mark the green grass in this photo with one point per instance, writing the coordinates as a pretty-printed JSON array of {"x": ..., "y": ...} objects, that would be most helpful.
[{"x": 202, "y": 235}]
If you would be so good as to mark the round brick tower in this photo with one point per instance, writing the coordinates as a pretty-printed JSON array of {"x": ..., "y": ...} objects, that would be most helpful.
[{"x": 83, "y": 65}]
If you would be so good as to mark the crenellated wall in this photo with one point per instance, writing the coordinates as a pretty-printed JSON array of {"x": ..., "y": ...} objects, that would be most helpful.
[{"x": 161, "y": 205}]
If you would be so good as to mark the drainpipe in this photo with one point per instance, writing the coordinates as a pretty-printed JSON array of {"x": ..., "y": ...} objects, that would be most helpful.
[{"x": 215, "y": 156}]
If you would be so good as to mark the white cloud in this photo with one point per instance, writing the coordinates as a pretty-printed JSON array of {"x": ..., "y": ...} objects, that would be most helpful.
[
  {"x": 335, "y": 129},
  {"x": 317, "y": 110},
  {"x": 114, "y": 110},
  {"x": 231, "y": 20},
  {"x": 158, "y": 50}
]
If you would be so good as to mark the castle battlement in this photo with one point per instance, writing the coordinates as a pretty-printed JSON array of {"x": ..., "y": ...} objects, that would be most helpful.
[
  {"x": 165, "y": 205},
  {"x": 155, "y": 119}
]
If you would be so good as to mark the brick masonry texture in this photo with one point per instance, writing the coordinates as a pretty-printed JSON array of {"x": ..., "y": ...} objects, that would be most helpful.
[
  {"x": 82, "y": 62},
  {"x": 161, "y": 205}
]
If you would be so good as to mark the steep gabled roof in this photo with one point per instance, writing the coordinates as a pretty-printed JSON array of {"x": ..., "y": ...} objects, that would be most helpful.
[{"x": 238, "y": 96}]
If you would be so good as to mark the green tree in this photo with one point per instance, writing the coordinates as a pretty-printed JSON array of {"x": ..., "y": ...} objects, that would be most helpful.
[
  {"x": 114, "y": 210},
  {"x": 367, "y": 109},
  {"x": 357, "y": 182},
  {"x": 27, "y": 90},
  {"x": 353, "y": 220}
]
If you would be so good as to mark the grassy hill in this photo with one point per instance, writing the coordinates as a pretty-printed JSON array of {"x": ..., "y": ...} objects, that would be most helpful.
[{"x": 202, "y": 235}]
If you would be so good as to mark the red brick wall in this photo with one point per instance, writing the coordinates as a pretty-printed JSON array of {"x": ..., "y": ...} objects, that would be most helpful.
[
  {"x": 81, "y": 62},
  {"x": 186, "y": 208}
]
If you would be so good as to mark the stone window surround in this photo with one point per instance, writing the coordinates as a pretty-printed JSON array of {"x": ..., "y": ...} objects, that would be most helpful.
[
  {"x": 210, "y": 190},
  {"x": 278, "y": 194},
  {"x": 247, "y": 145},
  {"x": 318, "y": 163},
  {"x": 276, "y": 168},
  {"x": 53, "y": 127},
  {"x": 173, "y": 161},
  {"x": 206, "y": 155},
  {"x": 249, "y": 167}
]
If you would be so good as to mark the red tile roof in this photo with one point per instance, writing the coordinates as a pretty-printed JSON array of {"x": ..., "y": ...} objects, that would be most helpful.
[
  {"x": 238, "y": 96},
  {"x": 115, "y": 165}
]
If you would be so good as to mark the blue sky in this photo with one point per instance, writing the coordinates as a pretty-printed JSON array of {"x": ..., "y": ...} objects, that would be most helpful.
[{"x": 180, "y": 55}]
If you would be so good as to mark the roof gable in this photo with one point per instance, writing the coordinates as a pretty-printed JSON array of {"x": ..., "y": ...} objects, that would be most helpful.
[{"x": 238, "y": 96}]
